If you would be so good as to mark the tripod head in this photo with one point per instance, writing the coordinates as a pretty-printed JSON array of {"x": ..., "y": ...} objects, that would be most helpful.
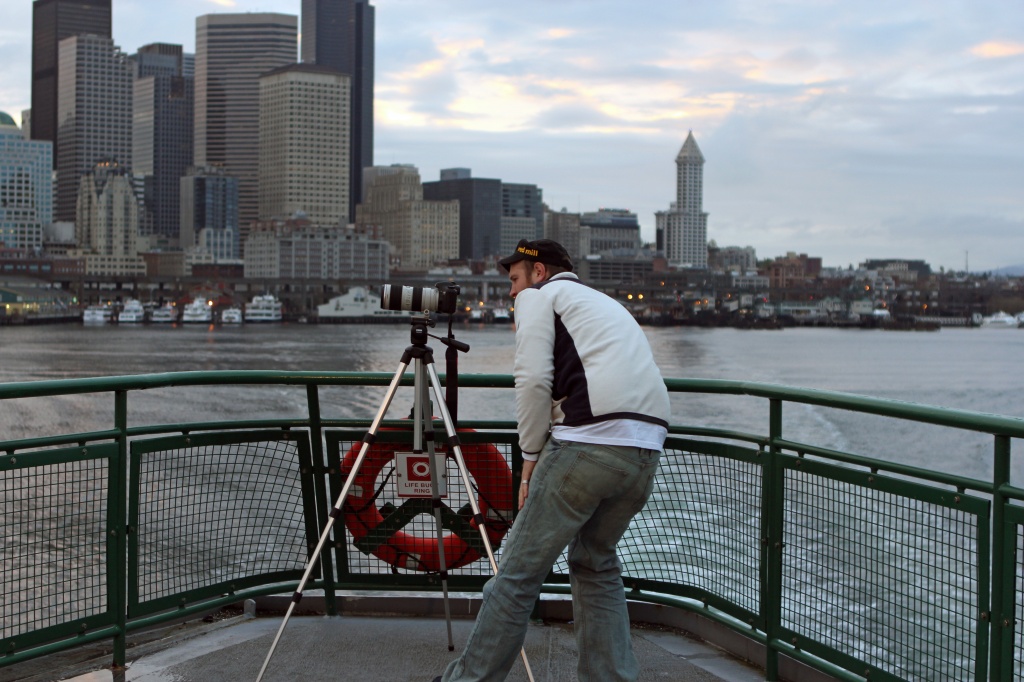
[{"x": 418, "y": 333}]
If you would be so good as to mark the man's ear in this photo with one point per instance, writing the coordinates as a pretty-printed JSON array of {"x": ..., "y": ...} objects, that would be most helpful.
[{"x": 540, "y": 272}]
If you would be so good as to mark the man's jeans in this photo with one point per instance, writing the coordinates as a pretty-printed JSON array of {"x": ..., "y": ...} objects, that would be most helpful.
[{"x": 583, "y": 496}]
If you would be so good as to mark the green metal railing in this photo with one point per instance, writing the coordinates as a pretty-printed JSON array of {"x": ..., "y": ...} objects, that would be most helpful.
[{"x": 858, "y": 566}]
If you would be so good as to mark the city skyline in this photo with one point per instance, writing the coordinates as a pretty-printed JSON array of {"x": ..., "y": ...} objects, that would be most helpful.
[{"x": 846, "y": 132}]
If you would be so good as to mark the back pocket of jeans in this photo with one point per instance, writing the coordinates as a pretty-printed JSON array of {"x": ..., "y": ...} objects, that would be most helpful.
[{"x": 587, "y": 482}]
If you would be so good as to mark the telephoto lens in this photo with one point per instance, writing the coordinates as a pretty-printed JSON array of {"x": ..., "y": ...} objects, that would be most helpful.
[{"x": 414, "y": 299}]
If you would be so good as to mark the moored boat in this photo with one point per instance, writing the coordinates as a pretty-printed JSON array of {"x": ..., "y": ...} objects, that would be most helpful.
[
  {"x": 263, "y": 308},
  {"x": 97, "y": 314},
  {"x": 164, "y": 314},
  {"x": 358, "y": 304},
  {"x": 1000, "y": 320},
  {"x": 132, "y": 312},
  {"x": 198, "y": 311},
  {"x": 231, "y": 315}
]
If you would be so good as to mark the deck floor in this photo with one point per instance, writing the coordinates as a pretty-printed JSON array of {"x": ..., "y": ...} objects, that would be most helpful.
[{"x": 364, "y": 648}]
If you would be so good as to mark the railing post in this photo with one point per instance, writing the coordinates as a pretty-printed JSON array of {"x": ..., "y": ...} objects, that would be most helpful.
[
  {"x": 117, "y": 578},
  {"x": 771, "y": 532},
  {"x": 320, "y": 483},
  {"x": 1004, "y": 557}
]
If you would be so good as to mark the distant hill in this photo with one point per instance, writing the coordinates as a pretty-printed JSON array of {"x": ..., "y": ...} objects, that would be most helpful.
[{"x": 1010, "y": 271}]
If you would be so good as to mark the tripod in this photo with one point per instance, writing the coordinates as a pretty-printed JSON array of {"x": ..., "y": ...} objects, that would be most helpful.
[{"x": 421, "y": 356}]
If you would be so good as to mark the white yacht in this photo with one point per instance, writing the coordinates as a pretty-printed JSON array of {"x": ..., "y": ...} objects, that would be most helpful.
[
  {"x": 164, "y": 314},
  {"x": 198, "y": 310},
  {"x": 1000, "y": 320},
  {"x": 358, "y": 304},
  {"x": 132, "y": 312},
  {"x": 265, "y": 308},
  {"x": 231, "y": 315},
  {"x": 97, "y": 314}
]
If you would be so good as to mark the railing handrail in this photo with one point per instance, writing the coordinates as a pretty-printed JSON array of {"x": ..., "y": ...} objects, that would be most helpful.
[
  {"x": 764, "y": 458},
  {"x": 1012, "y": 427}
]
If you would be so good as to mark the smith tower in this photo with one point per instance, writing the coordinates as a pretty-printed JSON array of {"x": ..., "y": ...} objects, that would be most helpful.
[
  {"x": 339, "y": 34},
  {"x": 685, "y": 225}
]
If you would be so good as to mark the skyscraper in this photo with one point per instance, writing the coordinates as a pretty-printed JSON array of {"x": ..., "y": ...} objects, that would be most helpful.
[
  {"x": 611, "y": 229},
  {"x": 422, "y": 233},
  {"x": 94, "y": 113},
  {"x": 162, "y": 144},
  {"x": 26, "y": 190},
  {"x": 52, "y": 22},
  {"x": 232, "y": 52},
  {"x": 479, "y": 210},
  {"x": 107, "y": 222},
  {"x": 685, "y": 225},
  {"x": 209, "y": 213},
  {"x": 304, "y": 137},
  {"x": 340, "y": 34}
]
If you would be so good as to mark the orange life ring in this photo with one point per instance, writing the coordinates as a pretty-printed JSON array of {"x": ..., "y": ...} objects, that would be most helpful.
[{"x": 416, "y": 552}]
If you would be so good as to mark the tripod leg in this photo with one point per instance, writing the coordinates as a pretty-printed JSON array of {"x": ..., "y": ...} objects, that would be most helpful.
[
  {"x": 425, "y": 426},
  {"x": 478, "y": 516},
  {"x": 368, "y": 439}
]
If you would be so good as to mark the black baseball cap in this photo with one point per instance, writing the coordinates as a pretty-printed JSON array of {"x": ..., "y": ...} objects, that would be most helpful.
[{"x": 544, "y": 251}]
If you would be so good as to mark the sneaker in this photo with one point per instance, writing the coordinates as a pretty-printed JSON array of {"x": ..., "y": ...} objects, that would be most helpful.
[{"x": 437, "y": 679}]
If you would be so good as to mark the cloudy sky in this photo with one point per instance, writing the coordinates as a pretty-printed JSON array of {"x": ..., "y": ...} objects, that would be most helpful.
[{"x": 847, "y": 130}]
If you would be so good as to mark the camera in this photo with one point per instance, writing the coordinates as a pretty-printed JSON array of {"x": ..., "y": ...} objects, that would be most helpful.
[{"x": 441, "y": 299}]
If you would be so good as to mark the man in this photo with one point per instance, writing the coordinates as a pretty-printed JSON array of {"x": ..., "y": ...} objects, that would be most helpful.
[{"x": 592, "y": 410}]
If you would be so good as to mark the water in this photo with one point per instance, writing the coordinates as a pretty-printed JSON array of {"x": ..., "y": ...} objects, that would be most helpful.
[{"x": 970, "y": 369}]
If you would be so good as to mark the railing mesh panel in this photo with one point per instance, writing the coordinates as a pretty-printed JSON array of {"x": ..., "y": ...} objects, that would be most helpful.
[
  {"x": 383, "y": 546},
  {"x": 53, "y": 543},
  {"x": 882, "y": 577},
  {"x": 1018, "y": 606},
  {"x": 701, "y": 527},
  {"x": 215, "y": 513}
]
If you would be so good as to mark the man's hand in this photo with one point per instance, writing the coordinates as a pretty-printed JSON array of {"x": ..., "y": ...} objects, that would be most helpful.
[{"x": 524, "y": 486}]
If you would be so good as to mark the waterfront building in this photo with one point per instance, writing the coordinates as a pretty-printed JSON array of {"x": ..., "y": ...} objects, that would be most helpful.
[
  {"x": 611, "y": 229},
  {"x": 94, "y": 113},
  {"x": 479, "y": 210},
  {"x": 26, "y": 190},
  {"x": 908, "y": 269},
  {"x": 685, "y": 225},
  {"x": 624, "y": 266},
  {"x": 565, "y": 228},
  {"x": 232, "y": 52},
  {"x": 750, "y": 282},
  {"x": 107, "y": 222},
  {"x": 162, "y": 141},
  {"x": 522, "y": 215},
  {"x": 731, "y": 258},
  {"x": 209, "y": 213},
  {"x": 523, "y": 201},
  {"x": 422, "y": 233},
  {"x": 513, "y": 230},
  {"x": 339, "y": 34},
  {"x": 295, "y": 249},
  {"x": 304, "y": 144},
  {"x": 52, "y": 22}
]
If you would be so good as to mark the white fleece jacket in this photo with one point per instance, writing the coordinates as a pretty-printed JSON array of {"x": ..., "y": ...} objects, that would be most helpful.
[{"x": 581, "y": 359}]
